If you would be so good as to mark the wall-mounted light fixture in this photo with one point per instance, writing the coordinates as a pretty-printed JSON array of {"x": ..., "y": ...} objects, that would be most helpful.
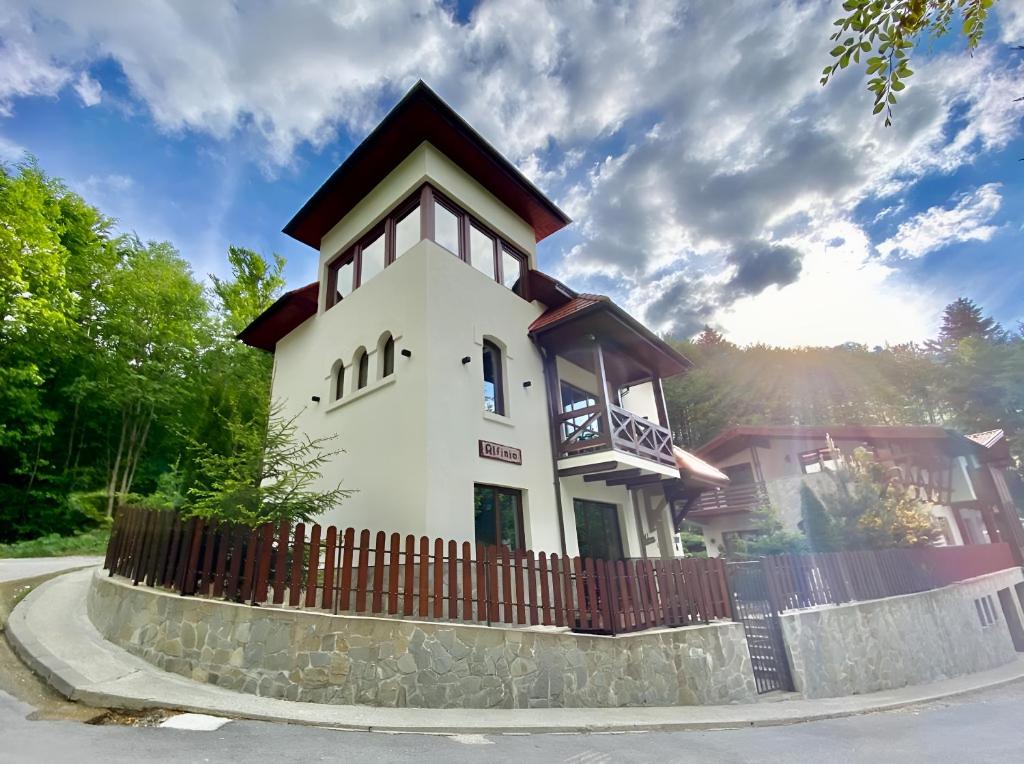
[
  {"x": 466, "y": 359},
  {"x": 527, "y": 383},
  {"x": 406, "y": 352},
  {"x": 316, "y": 399}
]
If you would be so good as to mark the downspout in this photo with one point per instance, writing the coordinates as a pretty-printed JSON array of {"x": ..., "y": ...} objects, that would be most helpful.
[{"x": 551, "y": 383}]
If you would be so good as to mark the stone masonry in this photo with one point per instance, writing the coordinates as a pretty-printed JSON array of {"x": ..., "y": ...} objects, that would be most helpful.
[
  {"x": 888, "y": 643},
  {"x": 342, "y": 659}
]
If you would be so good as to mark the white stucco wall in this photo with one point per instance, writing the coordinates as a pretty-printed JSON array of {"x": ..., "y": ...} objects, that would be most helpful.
[{"x": 411, "y": 440}]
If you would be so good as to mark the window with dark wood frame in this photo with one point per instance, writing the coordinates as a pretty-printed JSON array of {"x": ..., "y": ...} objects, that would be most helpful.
[
  {"x": 494, "y": 392},
  {"x": 339, "y": 382},
  {"x": 363, "y": 373},
  {"x": 498, "y": 516},
  {"x": 440, "y": 220},
  {"x": 388, "y": 360}
]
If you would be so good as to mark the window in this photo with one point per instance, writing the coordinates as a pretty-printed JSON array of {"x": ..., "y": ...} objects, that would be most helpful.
[
  {"x": 986, "y": 611},
  {"x": 481, "y": 251},
  {"x": 446, "y": 228},
  {"x": 362, "y": 369},
  {"x": 371, "y": 258},
  {"x": 575, "y": 399},
  {"x": 388, "y": 357},
  {"x": 407, "y": 231},
  {"x": 498, "y": 516},
  {"x": 494, "y": 397},
  {"x": 339, "y": 279},
  {"x": 339, "y": 382},
  {"x": 426, "y": 212},
  {"x": 511, "y": 269},
  {"x": 816, "y": 461},
  {"x": 740, "y": 474}
]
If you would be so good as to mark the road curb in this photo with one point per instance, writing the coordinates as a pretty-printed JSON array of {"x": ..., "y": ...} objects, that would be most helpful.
[{"x": 71, "y": 655}]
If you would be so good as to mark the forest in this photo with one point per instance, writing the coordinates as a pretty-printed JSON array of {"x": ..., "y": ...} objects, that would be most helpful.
[{"x": 121, "y": 380}]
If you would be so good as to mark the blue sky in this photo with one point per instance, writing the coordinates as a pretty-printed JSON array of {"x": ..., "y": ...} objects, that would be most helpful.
[{"x": 710, "y": 177}]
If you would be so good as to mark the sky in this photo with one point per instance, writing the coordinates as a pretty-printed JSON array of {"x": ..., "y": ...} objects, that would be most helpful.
[{"x": 711, "y": 179}]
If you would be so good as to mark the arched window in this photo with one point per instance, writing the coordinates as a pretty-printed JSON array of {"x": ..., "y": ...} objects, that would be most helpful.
[
  {"x": 385, "y": 355},
  {"x": 363, "y": 370},
  {"x": 494, "y": 394},
  {"x": 339, "y": 382}
]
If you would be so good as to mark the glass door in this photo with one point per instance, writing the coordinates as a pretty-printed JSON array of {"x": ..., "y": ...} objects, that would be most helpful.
[{"x": 597, "y": 530}]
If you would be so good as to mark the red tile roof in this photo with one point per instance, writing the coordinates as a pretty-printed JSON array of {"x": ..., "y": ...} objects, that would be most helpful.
[{"x": 577, "y": 304}]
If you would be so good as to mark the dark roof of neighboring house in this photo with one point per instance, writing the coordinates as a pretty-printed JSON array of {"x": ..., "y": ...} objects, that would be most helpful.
[
  {"x": 736, "y": 438},
  {"x": 291, "y": 309},
  {"x": 421, "y": 116}
]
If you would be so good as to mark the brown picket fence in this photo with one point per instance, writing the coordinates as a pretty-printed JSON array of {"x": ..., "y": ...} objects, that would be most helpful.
[
  {"x": 806, "y": 580},
  {"x": 350, "y": 571}
]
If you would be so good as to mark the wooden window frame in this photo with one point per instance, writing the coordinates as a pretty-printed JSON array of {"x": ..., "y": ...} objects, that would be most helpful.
[
  {"x": 339, "y": 382},
  {"x": 517, "y": 494},
  {"x": 387, "y": 357},
  {"x": 499, "y": 375},
  {"x": 425, "y": 196},
  {"x": 362, "y": 371}
]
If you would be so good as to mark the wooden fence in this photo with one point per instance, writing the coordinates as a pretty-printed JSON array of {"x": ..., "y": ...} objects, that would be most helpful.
[
  {"x": 806, "y": 580},
  {"x": 349, "y": 571}
]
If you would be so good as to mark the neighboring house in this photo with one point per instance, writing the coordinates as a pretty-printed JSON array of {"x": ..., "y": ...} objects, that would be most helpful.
[
  {"x": 475, "y": 397},
  {"x": 962, "y": 479}
]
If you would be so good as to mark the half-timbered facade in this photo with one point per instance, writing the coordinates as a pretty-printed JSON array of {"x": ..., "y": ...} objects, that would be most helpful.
[
  {"x": 960, "y": 478},
  {"x": 475, "y": 397}
]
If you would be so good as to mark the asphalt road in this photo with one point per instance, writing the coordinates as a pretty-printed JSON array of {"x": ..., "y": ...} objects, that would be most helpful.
[
  {"x": 12, "y": 569},
  {"x": 979, "y": 728}
]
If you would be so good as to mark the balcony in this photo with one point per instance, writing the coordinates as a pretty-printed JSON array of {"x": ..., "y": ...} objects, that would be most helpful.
[
  {"x": 730, "y": 500},
  {"x": 586, "y": 430}
]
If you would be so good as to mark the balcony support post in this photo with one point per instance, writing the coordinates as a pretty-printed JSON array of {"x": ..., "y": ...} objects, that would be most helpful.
[
  {"x": 554, "y": 408},
  {"x": 659, "y": 400},
  {"x": 602, "y": 380}
]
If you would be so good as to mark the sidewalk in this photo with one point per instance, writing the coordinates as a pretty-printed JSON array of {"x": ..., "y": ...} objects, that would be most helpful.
[{"x": 52, "y": 633}]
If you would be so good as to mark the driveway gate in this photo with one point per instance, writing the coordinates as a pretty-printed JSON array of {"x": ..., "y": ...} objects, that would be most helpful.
[{"x": 753, "y": 608}]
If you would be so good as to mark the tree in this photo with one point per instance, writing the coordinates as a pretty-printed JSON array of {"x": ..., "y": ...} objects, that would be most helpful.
[
  {"x": 817, "y": 522},
  {"x": 884, "y": 31},
  {"x": 962, "y": 319},
  {"x": 268, "y": 477},
  {"x": 712, "y": 338},
  {"x": 870, "y": 510}
]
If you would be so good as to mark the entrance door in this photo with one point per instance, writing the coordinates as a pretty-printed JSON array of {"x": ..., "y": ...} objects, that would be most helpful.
[{"x": 597, "y": 530}]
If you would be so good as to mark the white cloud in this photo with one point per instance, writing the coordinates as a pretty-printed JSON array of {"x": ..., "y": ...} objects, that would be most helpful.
[
  {"x": 691, "y": 141},
  {"x": 10, "y": 151},
  {"x": 88, "y": 89},
  {"x": 1010, "y": 15},
  {"x": 938, "y": 227}
]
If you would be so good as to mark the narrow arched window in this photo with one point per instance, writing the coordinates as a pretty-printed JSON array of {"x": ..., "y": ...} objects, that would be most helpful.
[
  {"x": 339, "y": 382},
  {"x": 388, "y": 357},
  {"x": 363, "y": 373},
  {"x": 494, "y": 397}
]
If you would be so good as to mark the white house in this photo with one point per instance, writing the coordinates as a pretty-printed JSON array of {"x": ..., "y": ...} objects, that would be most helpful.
[
  {"x": 961, "y": 479},
  {"x": 475, "y": 397}
]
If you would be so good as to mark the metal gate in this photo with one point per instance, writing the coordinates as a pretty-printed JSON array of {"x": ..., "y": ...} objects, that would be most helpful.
[{"x": 753, "y": 608}]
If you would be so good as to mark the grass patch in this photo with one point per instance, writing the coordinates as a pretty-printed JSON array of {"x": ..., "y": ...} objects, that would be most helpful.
[{"x": 53, "y": 545}]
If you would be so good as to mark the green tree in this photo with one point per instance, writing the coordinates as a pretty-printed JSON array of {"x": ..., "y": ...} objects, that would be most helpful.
[
  {"x": 885, "y": 31},
  {"x": 818, "y": 525},
  {"x": 270, "y": 475},
  {"x": 963, "y": 319}
]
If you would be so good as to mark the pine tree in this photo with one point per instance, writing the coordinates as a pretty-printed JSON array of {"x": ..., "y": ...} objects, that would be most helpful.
[
  {"x": 817, "y": 523},
  {"x": 963, "y": 319},
  {"x": 711, "y": 338}
]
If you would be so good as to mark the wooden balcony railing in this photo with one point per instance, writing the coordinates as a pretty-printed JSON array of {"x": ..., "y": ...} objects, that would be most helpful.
[
  {"x": 586, "y": 430},
  {"x": 733, "y": 498}
]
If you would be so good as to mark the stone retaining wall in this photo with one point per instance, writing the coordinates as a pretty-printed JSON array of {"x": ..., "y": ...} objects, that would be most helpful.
[
  {"x": 884, "y": 644},
  {"x": 309, "y": 656}
]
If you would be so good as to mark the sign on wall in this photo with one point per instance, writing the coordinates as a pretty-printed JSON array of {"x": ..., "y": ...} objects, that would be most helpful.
[{"x": 489, "y": 450}]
